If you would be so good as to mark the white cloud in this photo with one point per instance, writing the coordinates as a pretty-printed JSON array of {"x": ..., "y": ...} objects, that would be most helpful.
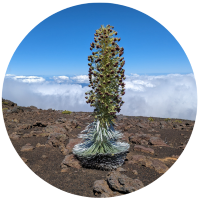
[
  {"x": 166, "y": 96},
  {"x": 80, "y": 79},
  {"x": 26, "y": 79},
  {"x": 61, "y": 79},
  {"x": 10, "y": 75}
]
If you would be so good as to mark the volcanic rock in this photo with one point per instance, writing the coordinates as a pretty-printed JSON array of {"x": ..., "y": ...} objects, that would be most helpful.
[
  {"x": 120, "y": 169},
  {"x": 135, "y": 172},
  {"x": 56, "y": 139},
  {"x": 70, "y": 161},
  {"x": 40, "y": 145},
  {"x": 101, "y": 188},
  {"x": 26, "y": 148},
  {"x": 55, "y": 129},
  {"x": 24, "y": 159},
  {"x": 143, "y": 149},
  {"x": 72, "y": 143},
  {"x": 146, "y": 161},
  {"x": 142, "y": 125},
  {"x": 140, "y": 138},
  {"x": 40, "y": 124},
  {"x": 122, "y": 183},
  {"x": 157, "y": 141},
  {"x": 61, "y": 120},
  {"x": 39, "y": 134},
  {"x": 14, "y": 136}
]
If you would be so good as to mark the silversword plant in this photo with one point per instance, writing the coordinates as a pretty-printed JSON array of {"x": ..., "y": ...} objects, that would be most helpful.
[{"x": 101, "y": 147}]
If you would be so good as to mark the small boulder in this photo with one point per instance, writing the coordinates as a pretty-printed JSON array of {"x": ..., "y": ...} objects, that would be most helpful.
[
  {"x": 40, "y": 124},
  {"x": 120, "y": 169},
  {"x": 147, "y": 161},
  {"x": 72, "y": 143},
  {"x": 61, "y": 120},
  {"x": 24, "y": 159},
  {"x": 26, "y": 148},
  {"x": 40, "y": 145},
  {"x": 157, "y": 141},
  {"x": 143, "y": 149},
  {"x": 14, "y": 136},
  {"x": 102, "y": 189},
  {"x": 122, "y": 183},
  {"x": 135, "y": 172},
  {"x": 70, "y": 161},
  {"x": 39, "y": 134},
  {"x": 140, "y": 138},
  {"x": 55, "y": 129},
  {"x": 56, "y": 139}
]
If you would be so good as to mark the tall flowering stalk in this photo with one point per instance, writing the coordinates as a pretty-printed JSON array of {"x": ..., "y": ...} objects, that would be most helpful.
[{"x": 101, "y": 147}]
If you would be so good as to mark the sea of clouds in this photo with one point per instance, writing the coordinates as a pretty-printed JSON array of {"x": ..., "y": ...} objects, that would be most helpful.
[{"x": 166, "y": 96}]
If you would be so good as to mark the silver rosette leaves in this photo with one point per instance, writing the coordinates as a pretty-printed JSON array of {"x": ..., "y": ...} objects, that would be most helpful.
[{"x": 101, "y": 148}]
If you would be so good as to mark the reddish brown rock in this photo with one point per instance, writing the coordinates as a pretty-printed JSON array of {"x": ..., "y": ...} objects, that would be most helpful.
[
  {"x": 27, "y": 135},
  {"x": 135, "y": 172},
  {"x": 102, "y": 189},
  {"x": 68, "y": 128},
  {"x": 39, "y": 134},
  {"x": 40, "y": 145},
  {"x": 56, "y": 139},
  {"x": 159, "y": 166},
  {"x": 143, "y": 149},
  {"x": 71, "y": 124},
  {"x": 55, "y": 129},
  {"x": 156, "y": 164},
  {"x": 26, "y": 148},
  {"x": 24, "y": 159},
  {"x": 14, "y": 136},
  {"x": 24, "y": 126},
  {"x": 40, "y": 124},
  {"x": 140, "y": 160},
  {"x": 126, "y": 128},
  {"x": 143, "y": 125},
  {"x": 72, "y": 143},
  {"x": 70, "y": 161},
  {"x": 63, "y": 150},
  {"x": 182, "y": 146},
  {"x": 140, "y": 138},
  {"x": 61, "y": 120},
  {"x": 122, "y": 183},
  {"x": 120, "y": 169},
  {"x": 64, "y": 170},
  {"x": 126, "y": 136},
  {"x": 157, "y": 141}
]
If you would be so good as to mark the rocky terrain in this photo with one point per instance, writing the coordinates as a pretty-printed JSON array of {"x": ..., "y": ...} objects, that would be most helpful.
[{"x": 44, "y": 139}]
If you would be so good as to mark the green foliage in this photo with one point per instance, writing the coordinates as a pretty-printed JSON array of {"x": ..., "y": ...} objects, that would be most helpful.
[
  {"x": 66, "y": 112},
  {"x": 178, "y": 121},
  {"x": 106, "y": 75},
  {"x": 5, "y": 109},
  {"x": 99, "y": 140},
  {"x": 167, "y": 119},
  {"x": 150, "y": 119},
  {"x": 5, "y": 103}
]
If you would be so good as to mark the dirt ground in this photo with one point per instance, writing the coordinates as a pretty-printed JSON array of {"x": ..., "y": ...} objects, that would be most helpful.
[{"x": 149, "y": 137}]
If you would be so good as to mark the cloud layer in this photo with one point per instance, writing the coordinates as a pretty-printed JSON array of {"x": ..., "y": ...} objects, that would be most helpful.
[{"x": 166, "y": 96}]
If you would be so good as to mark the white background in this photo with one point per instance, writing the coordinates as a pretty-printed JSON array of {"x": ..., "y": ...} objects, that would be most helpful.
[{"x": 181, "y": 182}]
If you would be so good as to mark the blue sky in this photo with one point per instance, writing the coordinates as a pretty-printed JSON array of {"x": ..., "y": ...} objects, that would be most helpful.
[{"x": 60, "y": 44}]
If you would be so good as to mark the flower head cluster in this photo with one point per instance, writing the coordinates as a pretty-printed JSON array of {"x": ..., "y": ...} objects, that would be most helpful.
[{"x": 106, "y": 74}]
